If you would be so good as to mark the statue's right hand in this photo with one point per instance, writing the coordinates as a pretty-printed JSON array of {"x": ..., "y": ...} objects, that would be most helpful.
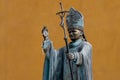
[
  {"x": 45, "y": 33},
  {"x": 71, "y": 56}
]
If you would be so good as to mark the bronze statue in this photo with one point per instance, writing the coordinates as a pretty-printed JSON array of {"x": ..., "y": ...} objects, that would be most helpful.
[{"x": 73, "y": 61}]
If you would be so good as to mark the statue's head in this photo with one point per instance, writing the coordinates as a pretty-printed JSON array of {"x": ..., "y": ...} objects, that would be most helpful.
[{"x": 75, "y": 24}]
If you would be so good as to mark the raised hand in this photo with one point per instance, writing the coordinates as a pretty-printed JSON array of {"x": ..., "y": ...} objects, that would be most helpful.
[
  {"x": 46, "y": 43},
  {"x": 45, "y": 33}
]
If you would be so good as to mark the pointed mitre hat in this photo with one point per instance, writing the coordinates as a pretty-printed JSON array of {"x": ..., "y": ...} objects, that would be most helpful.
[{"x": 75, "y": 19}]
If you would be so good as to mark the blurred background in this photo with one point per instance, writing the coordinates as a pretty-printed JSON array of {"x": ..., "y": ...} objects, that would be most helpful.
[{"x": 21, "y": 22}]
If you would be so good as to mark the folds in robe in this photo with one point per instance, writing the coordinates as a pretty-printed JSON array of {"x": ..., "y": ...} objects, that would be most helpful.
[{"x": 56, "y": 66}]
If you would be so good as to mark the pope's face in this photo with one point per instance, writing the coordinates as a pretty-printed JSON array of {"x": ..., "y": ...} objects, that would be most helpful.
[{"x": 74, "y": 34}]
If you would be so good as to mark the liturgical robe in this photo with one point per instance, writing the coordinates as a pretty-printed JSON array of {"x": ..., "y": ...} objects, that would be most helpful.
[{"x": 56, "y": 66}]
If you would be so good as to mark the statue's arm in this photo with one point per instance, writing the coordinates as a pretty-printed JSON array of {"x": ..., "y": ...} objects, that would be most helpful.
[
  {"x": 83, "y": 55},
  {"x": 47, "y": 44},
  {"x": 46, "y": 47}
]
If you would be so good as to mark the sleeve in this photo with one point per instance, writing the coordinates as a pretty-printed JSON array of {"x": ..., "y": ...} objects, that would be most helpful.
[
  {"x": 87, "y": 60},
  {"x": 50, "y": 60},
  {"x": 84, "y": 58},
  {"x": 85, "y": 53},
  {"x": 48, "y": 48},
  {"x": 78, "y": 58}
]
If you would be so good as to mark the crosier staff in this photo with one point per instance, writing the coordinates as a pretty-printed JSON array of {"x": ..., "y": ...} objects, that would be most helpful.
[{"x": 62, "y": 14}]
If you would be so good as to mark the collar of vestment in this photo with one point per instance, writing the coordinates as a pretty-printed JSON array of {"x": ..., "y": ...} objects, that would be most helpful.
[{"x": 75, "y": 43}]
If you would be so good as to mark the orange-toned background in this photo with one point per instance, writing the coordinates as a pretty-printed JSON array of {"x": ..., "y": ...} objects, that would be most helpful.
[{"x": 21, "y": 21}]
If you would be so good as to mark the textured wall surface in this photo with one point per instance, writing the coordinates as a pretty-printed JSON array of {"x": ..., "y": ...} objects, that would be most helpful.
[{"x": 21, "y": 21}]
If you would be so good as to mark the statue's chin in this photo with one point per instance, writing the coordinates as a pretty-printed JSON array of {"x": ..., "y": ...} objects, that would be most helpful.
[{"x": 74, "y": 39}]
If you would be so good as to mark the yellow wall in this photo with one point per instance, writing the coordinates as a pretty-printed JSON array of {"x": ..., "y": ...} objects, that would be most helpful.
[{"x": 21, "y": 21}]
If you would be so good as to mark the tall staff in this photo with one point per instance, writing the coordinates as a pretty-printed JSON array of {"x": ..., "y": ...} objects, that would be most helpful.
[{"x": 62, "y": 14}]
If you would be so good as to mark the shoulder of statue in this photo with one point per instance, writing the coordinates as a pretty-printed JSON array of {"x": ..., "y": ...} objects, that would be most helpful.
[{"x": 86, "y": 43}]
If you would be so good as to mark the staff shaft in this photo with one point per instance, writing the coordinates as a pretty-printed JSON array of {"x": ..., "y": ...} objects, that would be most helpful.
[{"x": 62, "y": 14}]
